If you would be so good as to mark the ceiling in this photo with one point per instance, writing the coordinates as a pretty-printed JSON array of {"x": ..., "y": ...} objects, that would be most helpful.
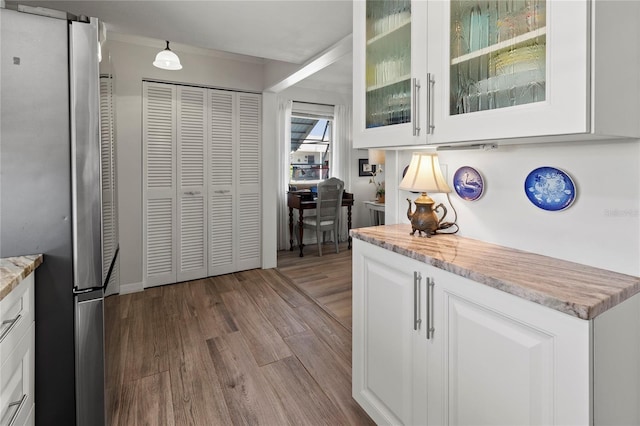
[{"x": 284, "y": 30}]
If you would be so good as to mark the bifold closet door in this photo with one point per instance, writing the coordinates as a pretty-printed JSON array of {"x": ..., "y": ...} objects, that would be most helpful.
[
  {"x": 175, "y": 148},
  {"x": 202, "y": 178},
  {"x": 222, "y": 246},
  {"x": 234, "y": 186},
  {"x": 159, "y": 180},
  {"x": 249, "y": 178},
  {"x": 192, "y": 179}
]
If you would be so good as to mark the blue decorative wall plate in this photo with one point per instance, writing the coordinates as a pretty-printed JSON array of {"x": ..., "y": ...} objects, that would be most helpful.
[
  {"x": 468, "y": 183},
  {"x": 550, "y": 188}
]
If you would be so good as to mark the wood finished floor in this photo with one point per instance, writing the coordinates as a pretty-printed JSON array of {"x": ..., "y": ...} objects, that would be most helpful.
[
  {"x": 326, "y": 279},
  {"x": 248, "y": 348}
]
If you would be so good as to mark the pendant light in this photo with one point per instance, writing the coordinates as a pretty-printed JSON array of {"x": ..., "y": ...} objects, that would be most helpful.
[{"x": 167, "y": 60}]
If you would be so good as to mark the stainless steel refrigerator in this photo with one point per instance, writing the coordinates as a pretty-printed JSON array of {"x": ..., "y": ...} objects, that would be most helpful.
[{"x": 50, "y": 202}]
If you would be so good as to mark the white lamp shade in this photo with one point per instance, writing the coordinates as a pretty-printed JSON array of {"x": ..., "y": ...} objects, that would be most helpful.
[
  {"x": 376, "y": 156},
  {"x": 424, "y": 174},
  {"x": 167, "y": 60}
]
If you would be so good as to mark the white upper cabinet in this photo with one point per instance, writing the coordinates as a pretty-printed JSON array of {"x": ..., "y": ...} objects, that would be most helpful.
[
  {"x": 521, "y": 70},
  {"x": 389, "y": 73}
]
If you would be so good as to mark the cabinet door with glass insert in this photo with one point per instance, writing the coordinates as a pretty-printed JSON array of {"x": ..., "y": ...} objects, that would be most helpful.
[
  {"x": 389, "y": 68},
  {"x": 508, "y": 69}
]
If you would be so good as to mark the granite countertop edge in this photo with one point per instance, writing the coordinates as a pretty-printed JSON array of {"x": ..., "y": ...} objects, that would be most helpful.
[
  {"x": 15, "y": 269},
  {"x": 556, "y": 295}
]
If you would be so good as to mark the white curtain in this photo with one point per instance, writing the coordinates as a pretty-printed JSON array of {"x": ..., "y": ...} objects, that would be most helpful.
[
  {"x": 284, "y": 146},
  {"x": 342, "y": 154}
]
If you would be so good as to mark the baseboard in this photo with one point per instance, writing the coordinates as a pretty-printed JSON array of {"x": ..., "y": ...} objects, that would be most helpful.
[{"x": 131, "y": 288}]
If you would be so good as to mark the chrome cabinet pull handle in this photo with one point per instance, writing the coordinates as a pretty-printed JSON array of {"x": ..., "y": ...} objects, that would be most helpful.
[
  {"x": 18, "y": 405},
  {"x": 431, "y": 82},
  {"x": 430, "y": 318},
  {"x": 192, "y": 193},
  {"x": 417, "y": 278},
  {"x": 416, "y": 107},
  {"x": 9, "y": 324},
  {"x": 222, "y": 191}
]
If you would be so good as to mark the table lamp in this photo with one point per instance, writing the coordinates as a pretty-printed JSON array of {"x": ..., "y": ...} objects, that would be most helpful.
[{"x": 424, "y": 175}]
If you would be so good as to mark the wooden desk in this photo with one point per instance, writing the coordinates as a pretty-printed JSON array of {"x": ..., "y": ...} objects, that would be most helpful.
[{"x": 303, "y": 200}]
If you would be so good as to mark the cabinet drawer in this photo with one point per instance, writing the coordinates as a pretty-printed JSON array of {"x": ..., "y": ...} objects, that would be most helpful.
[
  {"x": 17, "y": 381},
  {"x": 16, "y": 315}
]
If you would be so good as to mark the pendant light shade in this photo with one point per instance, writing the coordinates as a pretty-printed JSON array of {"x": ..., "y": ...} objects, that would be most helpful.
[{"x": 167, "y": 60}]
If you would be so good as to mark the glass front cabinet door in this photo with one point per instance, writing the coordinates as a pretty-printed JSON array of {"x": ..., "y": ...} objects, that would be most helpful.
[
  {"x": 508, "y": 69},
  {"x": 533, "y": 70},
  {"x": 389, "y": 72},
  {"x": 518, "y": 70}
]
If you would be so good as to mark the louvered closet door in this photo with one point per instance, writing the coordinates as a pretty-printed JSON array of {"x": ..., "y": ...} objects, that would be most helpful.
[
  {"x": 249, "y": 178},
  {"x": 159, "y": 191},
  {"x": 192, "y": 179},
  {"x": 222, "y": 247},
  {"x": 109, "y": 204}
]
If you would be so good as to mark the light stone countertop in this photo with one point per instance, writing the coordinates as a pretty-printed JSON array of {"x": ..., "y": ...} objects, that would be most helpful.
[
  {"x": 578, "y": 290},
  {"x": 14, "y": 269}
]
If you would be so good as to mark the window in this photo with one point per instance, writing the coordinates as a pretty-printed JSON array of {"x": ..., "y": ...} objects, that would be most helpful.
[{"x": 311, "y": 149}]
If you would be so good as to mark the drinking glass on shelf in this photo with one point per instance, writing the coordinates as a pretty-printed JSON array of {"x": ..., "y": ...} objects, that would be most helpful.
[
  {"x": 502, "y": 98},
  {"x": 459, "y": 44},
  {"x": 405, "y": 11},
  {"x": 490, "y": 13},
  {"x": 536, "y": 14},
  {"x": 475, "y": 28},
  {"x": 403, "y": 107}
]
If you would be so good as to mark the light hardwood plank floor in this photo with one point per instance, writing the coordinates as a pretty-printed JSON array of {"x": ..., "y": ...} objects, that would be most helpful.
[
  {"x": 326, "y": 279},
  {"x": 250, "y": 348}
]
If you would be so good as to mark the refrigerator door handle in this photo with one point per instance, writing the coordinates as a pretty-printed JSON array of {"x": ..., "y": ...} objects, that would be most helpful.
[
  {"x": 103, "y": 287},
  {"x": 78, "y": 291},
  {"x": 111, "y": 267}
]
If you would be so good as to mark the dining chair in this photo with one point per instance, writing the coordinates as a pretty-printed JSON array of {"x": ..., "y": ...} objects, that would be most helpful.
[{"x": 327, "y": 216}]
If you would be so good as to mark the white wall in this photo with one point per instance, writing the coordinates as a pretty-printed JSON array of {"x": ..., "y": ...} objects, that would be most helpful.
[
  {"x": 270, "y": 183},
  {"x": 131, "y": 62},
  {"x": 601, "y": 228}
]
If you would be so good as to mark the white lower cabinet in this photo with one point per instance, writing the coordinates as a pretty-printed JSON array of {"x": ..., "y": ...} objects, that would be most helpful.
[
  {"x": 389, "y": 374},
  {"x": 17, "y": 355},
  {"x": 496, "y": 359},
  {"x": 491, "y": 358}
]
